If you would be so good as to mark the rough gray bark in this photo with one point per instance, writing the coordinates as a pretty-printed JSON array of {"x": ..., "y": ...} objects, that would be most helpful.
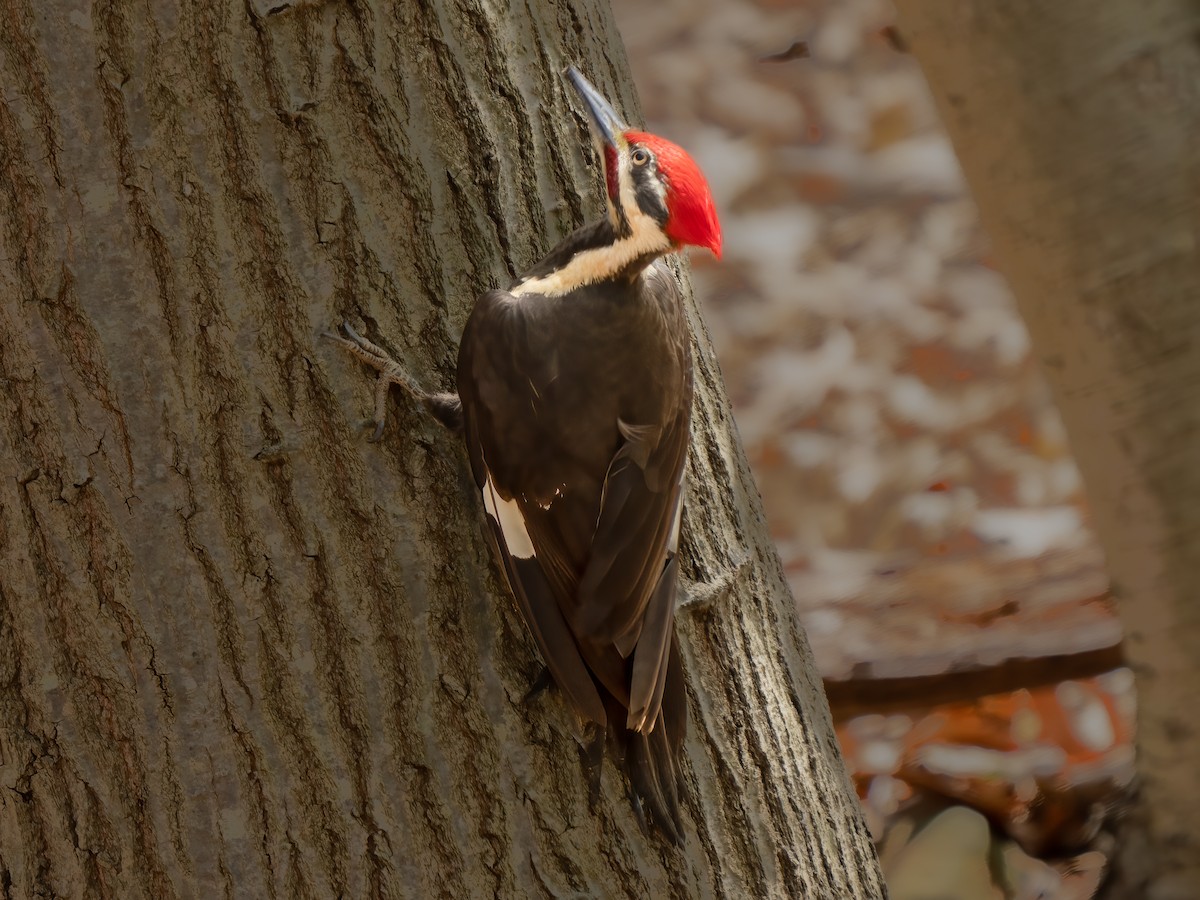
[
  {"x": 241, "y": 649},
  {"x": 1078, "y": 127}
]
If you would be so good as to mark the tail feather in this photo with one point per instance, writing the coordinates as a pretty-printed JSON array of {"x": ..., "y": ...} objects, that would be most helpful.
[
  {"x": 653, "y": 779},
  {"x": 653, "y": 761}
]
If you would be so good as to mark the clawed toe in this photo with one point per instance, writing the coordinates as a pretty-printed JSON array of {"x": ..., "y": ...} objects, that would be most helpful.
[
  {"x": 378, "y": 359},
  {"x": 372, "y": 354},
  {"x": 363, "y": 343}
]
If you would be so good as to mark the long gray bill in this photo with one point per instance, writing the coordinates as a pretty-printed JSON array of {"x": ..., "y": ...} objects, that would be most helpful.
[{"x": 610, "y": 126}]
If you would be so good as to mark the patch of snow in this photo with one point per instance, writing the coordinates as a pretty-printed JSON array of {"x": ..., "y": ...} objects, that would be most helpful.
[
  {"x": 809, "y": 449},
  {"x": 859, "y": 473},
  {"x": 925, "y": 163},
  {"x": 1029, "y": 532},
  {"x": 938, "y": 512},
  {"x": 732, "y": 164},
  {"x": 774, "y": 239}
]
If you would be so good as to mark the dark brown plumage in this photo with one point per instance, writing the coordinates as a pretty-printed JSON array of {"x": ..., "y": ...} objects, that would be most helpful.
[{"x": 576, "y": 412}]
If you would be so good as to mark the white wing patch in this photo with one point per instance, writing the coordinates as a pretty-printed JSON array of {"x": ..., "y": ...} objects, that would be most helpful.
[
  {"x": 673, "y": 538},
  {"x": 507, "y": 514}
]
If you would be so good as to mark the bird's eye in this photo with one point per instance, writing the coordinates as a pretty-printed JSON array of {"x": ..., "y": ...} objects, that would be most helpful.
[{"x": 640, "y": 156}]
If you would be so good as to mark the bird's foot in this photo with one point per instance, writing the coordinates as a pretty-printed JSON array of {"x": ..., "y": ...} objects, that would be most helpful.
[
  {"x": 699, "y": 595},
  {"x": 390, "y": 371}
]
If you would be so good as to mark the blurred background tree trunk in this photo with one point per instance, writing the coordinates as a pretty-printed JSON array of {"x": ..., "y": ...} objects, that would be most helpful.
[
  {"x": 1078, "y": 127},
  {"x": 242, "y": 650}
]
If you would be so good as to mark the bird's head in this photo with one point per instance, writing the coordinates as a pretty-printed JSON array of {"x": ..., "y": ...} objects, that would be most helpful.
[{"x": 656, "y": 192}]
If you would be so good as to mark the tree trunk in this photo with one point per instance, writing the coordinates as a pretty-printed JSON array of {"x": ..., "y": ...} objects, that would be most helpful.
[
  {"x": 241, "y": 649},
  {"x": 1078, "y": 126}
]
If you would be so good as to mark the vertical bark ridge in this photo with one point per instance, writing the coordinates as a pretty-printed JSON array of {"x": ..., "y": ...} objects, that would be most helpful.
[
  {"x": 771, "y": 672},
  {"x": 62, "y": 550},
  {"x": 114, "y": 63},
  {"x": 25, "y": 69},
  {"x": 98, "y": 698},
  {"x": 400, "y": 174}
]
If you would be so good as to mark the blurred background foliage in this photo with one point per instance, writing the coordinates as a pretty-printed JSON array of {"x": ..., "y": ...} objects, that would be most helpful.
[{"x": 915, "y": 472}]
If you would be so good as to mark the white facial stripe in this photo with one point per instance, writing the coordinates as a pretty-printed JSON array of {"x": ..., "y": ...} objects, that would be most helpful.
[
  {"x": 597, "y": 264},
  {"x": 629, "y": 194},
  {"x": 638, "y": 220},
  {"x": 507, "y": 514},
  {"x": 645, "y": 238}
]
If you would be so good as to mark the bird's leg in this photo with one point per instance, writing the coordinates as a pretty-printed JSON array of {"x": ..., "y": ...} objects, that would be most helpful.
[
  {"x": 544, "y": 681},
  {"x": 639, "y": 811},
  {"x": 445, "y": 407},
  {"x": 592, "y": 753}
]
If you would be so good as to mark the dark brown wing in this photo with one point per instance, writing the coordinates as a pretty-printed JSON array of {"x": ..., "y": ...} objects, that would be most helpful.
[
  {"x": 627, "y": 593},
  {"x": 536, "y": 595},
  {"x": 579, "y": 454},
  {"x": 537, "y": 600}
]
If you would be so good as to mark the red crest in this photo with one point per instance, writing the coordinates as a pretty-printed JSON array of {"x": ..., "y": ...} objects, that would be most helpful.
[{"x": 693, "y": 215}]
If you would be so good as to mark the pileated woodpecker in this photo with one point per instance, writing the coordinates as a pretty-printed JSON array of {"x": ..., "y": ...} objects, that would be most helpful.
[{"x": 574, "y": 397}]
